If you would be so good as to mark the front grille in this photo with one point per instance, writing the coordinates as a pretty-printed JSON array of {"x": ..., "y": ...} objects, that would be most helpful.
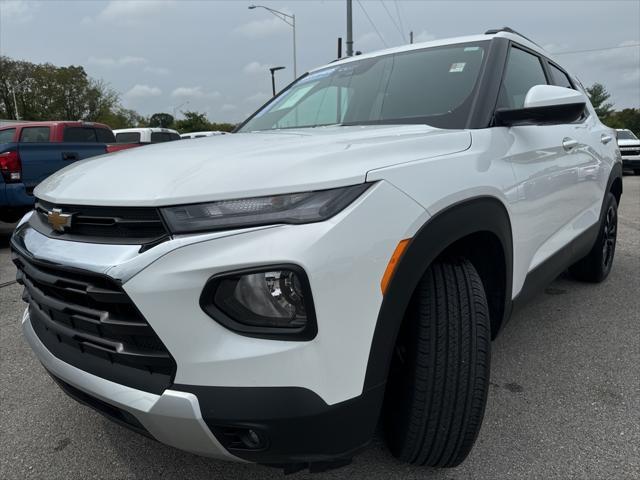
[
  {"x": 629, "y": 153},
  {"x": 129, "y": 225},
  {"x": 88, "y": 321}
]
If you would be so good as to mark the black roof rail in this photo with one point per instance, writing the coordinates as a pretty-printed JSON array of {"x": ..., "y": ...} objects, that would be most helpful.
[{"x": 509, "y": 30}]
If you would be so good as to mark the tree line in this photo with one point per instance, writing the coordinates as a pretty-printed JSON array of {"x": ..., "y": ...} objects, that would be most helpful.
[
  {"x": 47, "y": 92},
  {"x": 32, "y": 91},
  {"x": 626, "y": 118}
]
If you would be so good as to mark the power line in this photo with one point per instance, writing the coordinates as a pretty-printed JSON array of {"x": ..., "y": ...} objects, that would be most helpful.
[
  {"x": 399, "y": 16},
  {"x": 393, "y": 21},
  {"x": 596, "y": 49},
  {"x": 372, "y": 24}
]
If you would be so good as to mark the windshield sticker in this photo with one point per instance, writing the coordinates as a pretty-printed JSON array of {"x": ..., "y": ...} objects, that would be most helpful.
[
  {"x": 457, "y": 67},
  {"x": 471, "y": 49}
]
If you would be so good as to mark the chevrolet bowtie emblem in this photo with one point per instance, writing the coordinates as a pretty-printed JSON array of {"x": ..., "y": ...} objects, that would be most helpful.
[{"x": 58, "y": 220}]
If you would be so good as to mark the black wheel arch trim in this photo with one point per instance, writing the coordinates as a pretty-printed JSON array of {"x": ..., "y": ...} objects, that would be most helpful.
[{"x": 470, "y": 216}]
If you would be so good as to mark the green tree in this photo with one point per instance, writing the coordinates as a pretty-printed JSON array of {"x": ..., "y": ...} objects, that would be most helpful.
[
  {"x": 46, "y": 92},
  {"x": 599, "y": 96},
  {"x": 164, "y": 120},
  {"x": 122, "y": 118},
  {"x": 223, "y": 127},
  {"x": 626, "y": 118},
  {"x": 193, "y": 122}
]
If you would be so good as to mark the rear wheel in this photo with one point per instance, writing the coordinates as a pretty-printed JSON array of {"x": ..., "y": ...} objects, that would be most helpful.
[
  {"x": 596, "y": 266},
  {"x": 437, "y": 388}
]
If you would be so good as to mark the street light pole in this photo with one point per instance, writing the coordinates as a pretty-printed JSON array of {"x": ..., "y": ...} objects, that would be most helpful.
[
  {"x": 289, "y": 20},
  {"x": 13, "y": 94},
  {"x": 273, "y": 78}
]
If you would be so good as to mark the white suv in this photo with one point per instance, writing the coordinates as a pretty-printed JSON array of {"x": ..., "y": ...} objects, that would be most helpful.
[
  {"x": 347, "y": 255},
  {"x": 629, "y": 146}
]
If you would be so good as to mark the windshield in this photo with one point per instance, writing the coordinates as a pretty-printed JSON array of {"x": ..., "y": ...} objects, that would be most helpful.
[
  {"x": 432, "y": 86},
  {"x": 626, "y": 135}
]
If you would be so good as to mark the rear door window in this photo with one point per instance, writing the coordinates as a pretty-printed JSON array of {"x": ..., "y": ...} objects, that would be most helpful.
[
  {"x": 34, "y": 134},
  {"x": 523, "y": 71},
  {"x": 6, "y": 136},
  {"x": 79, "y": 134},
  {"x": 105, "y": 135},
  {"x": 128, "y": 137}
]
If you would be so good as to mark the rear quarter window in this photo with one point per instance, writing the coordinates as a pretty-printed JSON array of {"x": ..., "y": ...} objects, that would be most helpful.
[
  {"x": 6, "y": 135},
  {"x": 128, "y": 137},
  {"x": 79, "y": 134},
  {"x": 158, "y": 137},
  {"x": 35, "y": 134}
]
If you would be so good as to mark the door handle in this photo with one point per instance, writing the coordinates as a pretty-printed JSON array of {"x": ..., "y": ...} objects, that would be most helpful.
[
  {"x": 70, "y": 156},
  {"x": 606, "y": 138},
  {"x": 569, "y": 143}
]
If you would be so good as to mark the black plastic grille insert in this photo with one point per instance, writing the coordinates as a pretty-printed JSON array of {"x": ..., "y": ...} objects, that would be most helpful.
[{"x": 88, "y": 321}]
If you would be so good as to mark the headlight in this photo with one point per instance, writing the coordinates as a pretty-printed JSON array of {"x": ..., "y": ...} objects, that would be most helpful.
[
  {"x": 268, "y": 302},
  {"x": 306, "y": 207}
]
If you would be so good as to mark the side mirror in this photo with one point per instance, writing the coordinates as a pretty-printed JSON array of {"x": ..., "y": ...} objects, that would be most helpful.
[{"x": 544, "y": 105}]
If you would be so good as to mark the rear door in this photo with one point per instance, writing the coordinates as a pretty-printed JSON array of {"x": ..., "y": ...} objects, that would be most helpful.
[
  {"x": 555, "y": 167},
  {"x": 40, "y": 158}
]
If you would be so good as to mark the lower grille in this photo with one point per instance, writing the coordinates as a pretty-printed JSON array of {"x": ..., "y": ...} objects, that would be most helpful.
[
  {"x": 88, "y": 321},
  {"x": 629, "y": 153},
  {"x": 114, "y": 414}
]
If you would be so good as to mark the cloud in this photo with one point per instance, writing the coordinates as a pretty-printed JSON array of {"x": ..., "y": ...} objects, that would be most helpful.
[
  {"x": 228, "y": 107},
  {"x": 193, "y": 92},
  {"x": 108, "y": 62},
  {"x": 157, "y": 70},
  {"x": 257, "y": 98},
  {"x": 139, "y": 91},
  {"x": 617, "y": 69},
  {"x": 19, "y": 11},
  {"x": 131, "y": 12},
  {"x": 262, "y": 28},
  {"x": 368, "y": 42},
  {"x": 423, "y": 36},
  {"x": 255, "y": 67}
]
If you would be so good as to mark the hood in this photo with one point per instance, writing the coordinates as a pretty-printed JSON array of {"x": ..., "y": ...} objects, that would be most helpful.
[{"x": 245, "y": 165}]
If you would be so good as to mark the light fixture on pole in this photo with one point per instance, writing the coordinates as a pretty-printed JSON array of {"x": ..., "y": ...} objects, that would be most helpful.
[
  {"x": 175, "y": 109},
  {"x": 273, "y": 78},
  {"x": 289, "y": 20}
]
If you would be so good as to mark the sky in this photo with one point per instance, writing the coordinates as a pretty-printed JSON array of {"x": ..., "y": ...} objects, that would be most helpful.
[{"x": 212, "y": 56}]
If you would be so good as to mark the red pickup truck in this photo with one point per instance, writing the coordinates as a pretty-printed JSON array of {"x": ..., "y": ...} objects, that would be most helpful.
[
  {"x": 30, "y": 152},
  {"x": 76, "y": 132}
]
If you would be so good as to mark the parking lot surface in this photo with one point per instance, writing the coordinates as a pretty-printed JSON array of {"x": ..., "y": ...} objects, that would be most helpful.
[{"x": 564, "y": 400}]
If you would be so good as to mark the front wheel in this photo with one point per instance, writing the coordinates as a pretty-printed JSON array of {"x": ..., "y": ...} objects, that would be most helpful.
[
  {"x": 596, "y": 266},
  {"x": 437, "y": 388}
]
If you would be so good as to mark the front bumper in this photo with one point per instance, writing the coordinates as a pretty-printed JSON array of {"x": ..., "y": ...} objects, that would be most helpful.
[
  {"x": 631, "y": 161},
  {"x": 304, "y": 398},
  {"x": 173, "y": 418}
]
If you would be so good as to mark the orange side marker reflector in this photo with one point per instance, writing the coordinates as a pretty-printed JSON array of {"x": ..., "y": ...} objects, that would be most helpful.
[{"x": 393, "y": 263}]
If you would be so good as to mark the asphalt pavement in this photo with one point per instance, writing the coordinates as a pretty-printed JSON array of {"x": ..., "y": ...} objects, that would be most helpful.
[{"x": 564, "y": 400}]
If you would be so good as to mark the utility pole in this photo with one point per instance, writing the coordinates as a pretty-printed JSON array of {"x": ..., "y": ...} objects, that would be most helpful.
[
  {"x": 15, "y": 104},
  {"x": 349, "y": 28}
]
